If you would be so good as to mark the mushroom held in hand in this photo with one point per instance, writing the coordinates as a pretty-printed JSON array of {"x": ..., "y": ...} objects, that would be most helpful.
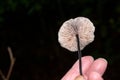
[
  {"x": 81, "y": 26},
  {"x": 75, "y": 34}
]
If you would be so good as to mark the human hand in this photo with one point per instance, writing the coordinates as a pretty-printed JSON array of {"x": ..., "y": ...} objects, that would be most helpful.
[{"x": 92, "y": 69}]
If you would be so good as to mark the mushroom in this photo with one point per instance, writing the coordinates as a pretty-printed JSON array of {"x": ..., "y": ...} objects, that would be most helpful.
[
  {"x": 81, "y": 26},
  {"x": 75, "y": 34}
]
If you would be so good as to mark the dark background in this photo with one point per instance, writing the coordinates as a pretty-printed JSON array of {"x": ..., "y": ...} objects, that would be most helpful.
[{"x": 30, "y": 28}]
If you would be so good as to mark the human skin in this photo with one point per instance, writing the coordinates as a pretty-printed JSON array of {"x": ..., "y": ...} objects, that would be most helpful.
[{"x": 92, "y": 69}]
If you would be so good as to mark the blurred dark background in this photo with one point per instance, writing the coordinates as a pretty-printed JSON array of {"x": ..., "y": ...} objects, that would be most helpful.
[{"x": 30, "y": 28}]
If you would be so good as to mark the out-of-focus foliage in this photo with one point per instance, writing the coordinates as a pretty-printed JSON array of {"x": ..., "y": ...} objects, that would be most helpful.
[{"x": 30, "y": 28}]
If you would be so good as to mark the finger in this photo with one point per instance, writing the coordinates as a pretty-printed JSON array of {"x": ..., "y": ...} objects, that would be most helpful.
[
  {"x": 74, "y": 71},
  {"x": 94, "y": 76},
  {"x": 98, "y": 66}
]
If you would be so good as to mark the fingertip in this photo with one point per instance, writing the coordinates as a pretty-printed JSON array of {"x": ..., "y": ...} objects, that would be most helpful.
[
  {"x": 99, "y": 66},
  {"x": 86, "y": 63},
  {"x": 102, "y": 65},
  {"x": 103, "y": 60}
]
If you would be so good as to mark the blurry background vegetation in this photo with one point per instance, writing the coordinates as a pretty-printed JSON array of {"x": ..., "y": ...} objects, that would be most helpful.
[{"x": 30, "y": 28}]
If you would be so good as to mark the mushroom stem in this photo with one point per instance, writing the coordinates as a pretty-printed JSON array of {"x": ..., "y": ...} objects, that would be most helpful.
[{"x": 79, "y": 54}]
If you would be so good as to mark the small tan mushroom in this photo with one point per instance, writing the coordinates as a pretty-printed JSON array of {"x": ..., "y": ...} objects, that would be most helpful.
[{"x": 81, "y": 26}]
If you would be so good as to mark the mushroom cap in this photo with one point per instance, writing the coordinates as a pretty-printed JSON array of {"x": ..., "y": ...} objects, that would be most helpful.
[{"x": 81, "y": 26}]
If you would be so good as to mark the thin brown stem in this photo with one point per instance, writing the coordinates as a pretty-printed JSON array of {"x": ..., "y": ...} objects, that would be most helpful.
[
  {"x": 12, "y": 59},
  {"x": 2, "y": 75},
  {"x": 12, "y": 62}
]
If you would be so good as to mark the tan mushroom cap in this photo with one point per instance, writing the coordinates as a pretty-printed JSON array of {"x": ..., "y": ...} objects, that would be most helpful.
[{"x": 67, "y": 34}]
